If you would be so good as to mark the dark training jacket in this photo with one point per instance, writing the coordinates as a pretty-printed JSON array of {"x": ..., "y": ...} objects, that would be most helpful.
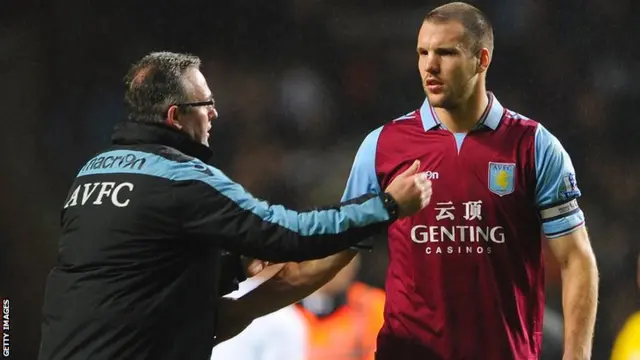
[{"x": 143, "y": 229}]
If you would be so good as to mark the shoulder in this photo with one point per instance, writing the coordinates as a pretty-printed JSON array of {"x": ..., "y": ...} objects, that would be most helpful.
[
  {"x": 172, "y": 154},
  {"x": 514, "y": 119},
  {"x": 545, "y": 143},
  {"x": 178, "y": 166},
  {"x": 387, "y": 133},
  {"x": 190, "y": 175},
  {"x": 159, "y": 161},
  {"x": 537, "y": 135},
  {"x": 409, "y": 120},
  {"x": 406, "y": 118}
]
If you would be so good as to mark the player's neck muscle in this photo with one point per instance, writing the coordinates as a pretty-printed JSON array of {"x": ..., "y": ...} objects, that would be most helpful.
[{"x": 464, "y": 117}]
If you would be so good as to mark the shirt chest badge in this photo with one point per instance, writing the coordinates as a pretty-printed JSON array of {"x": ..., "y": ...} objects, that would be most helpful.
[{"x": 502, "y": 178}]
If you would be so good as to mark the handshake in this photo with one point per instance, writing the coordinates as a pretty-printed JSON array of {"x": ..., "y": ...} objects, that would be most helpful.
[{"x": 411, "y": 190}]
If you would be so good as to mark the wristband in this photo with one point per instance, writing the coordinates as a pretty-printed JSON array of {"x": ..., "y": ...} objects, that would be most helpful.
[{"x": 390, "y": 205}]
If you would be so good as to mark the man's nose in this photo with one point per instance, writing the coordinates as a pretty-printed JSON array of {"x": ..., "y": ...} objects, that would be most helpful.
[{"x": 213, "y": 113}]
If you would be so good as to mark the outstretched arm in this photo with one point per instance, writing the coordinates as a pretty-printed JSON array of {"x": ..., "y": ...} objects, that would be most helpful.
[
  {"x": 293, "y": 282},
  {"x": 214, "y": 208}
]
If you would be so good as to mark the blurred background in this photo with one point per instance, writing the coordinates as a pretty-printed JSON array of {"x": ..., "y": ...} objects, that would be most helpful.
[{"x": 299, "y": 84}]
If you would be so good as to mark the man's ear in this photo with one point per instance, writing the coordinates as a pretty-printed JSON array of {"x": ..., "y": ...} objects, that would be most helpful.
[
  {"x": 484, "y": 60},
  {"x": 172, "y": 117}
]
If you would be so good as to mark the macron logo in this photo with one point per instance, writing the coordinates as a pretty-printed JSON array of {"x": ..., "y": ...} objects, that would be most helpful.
[{"x": 431, "y": 175}]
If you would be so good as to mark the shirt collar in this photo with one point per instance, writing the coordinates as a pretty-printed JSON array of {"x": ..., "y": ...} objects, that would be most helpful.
[
  {"x": 132, "y": 132},
  {"x": 490, "y": 118}
]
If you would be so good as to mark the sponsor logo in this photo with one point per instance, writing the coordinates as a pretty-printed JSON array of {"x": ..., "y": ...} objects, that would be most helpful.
[
  {"x": 109, "y": 162},
  {"x": 461, "y": 239},
  {"x": 569, "y": 187},
  {"x": 431, "y": 175},
  {"x": 448, "y": 236},
  {"x": 203, "y": 169},
  {"x": 501, "y": 178}
]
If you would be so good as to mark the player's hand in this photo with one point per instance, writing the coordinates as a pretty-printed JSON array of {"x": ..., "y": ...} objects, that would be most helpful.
[
  {"x": 255, "y": 266},
  {"x": 411, "y": 190}
]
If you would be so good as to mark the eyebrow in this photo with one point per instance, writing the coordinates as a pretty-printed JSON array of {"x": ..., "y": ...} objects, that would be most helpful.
[{"x": 456, "y": 47}]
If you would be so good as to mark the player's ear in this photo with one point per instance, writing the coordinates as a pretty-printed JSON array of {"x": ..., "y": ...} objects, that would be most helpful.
[
  {"x": 172, "y": 117},
  {"x": 484, "y": 58}
]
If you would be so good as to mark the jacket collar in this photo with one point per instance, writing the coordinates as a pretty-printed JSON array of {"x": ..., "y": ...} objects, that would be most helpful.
[{"x": 132, "y": 133}]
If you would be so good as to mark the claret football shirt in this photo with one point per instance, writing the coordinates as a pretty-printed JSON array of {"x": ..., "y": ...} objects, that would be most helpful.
[{"x": 465, "y": 277}]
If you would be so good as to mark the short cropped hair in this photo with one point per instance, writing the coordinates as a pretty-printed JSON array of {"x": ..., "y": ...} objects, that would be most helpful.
[
  {"x": 156, "y": 82},
  {"x": 477, "y": 27}
]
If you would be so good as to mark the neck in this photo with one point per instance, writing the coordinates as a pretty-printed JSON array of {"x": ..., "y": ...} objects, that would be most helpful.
[{"x": 465, "y": 116}]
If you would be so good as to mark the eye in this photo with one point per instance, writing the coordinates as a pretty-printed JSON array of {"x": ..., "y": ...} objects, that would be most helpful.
[{"x": 447, "y": 52}]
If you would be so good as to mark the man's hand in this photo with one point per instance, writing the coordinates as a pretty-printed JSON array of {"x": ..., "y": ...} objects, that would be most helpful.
[{"x": 411, "y": 190}]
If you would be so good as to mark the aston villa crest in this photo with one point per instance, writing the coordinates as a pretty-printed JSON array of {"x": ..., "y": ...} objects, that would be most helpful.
[{"x": 502, "y": 178}]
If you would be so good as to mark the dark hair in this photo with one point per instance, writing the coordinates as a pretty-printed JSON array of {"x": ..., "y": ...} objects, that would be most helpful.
[
  {"x": 154, "y": 83},
  {"x": 477, "y": 27}
]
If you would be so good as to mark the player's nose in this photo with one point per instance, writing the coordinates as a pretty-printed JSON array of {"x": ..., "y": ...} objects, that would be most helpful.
[
  {"x": 432, "y": 65},
  {"x": 433, "y": 70}
]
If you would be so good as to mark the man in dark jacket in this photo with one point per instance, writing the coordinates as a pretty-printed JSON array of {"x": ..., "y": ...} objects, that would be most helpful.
[{"x": 145, "y": 222}]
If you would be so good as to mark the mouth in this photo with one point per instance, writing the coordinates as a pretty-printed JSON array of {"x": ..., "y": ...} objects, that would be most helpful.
[{"x": 434, "y": 86}]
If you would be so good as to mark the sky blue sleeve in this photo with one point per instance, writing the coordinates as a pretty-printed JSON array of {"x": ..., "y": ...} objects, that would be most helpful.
[
  {"x": 363, "y": 178},
  {"x": 556, "y": 186}
]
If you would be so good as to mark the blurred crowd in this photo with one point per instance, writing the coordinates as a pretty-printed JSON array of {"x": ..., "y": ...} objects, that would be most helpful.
[{"x": 299, "y": 84}]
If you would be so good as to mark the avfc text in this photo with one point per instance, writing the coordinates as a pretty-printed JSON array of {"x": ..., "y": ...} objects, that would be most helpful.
[{"x": 98, "y": 192}]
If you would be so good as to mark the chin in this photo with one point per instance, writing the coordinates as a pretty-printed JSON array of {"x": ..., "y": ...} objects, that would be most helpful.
[
  {"x": 441, "y": 101},
  {"x": 436, "y": 100}
]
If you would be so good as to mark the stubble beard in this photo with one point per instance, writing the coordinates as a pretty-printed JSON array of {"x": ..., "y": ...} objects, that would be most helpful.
[{"x": 445, "y": 100}]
